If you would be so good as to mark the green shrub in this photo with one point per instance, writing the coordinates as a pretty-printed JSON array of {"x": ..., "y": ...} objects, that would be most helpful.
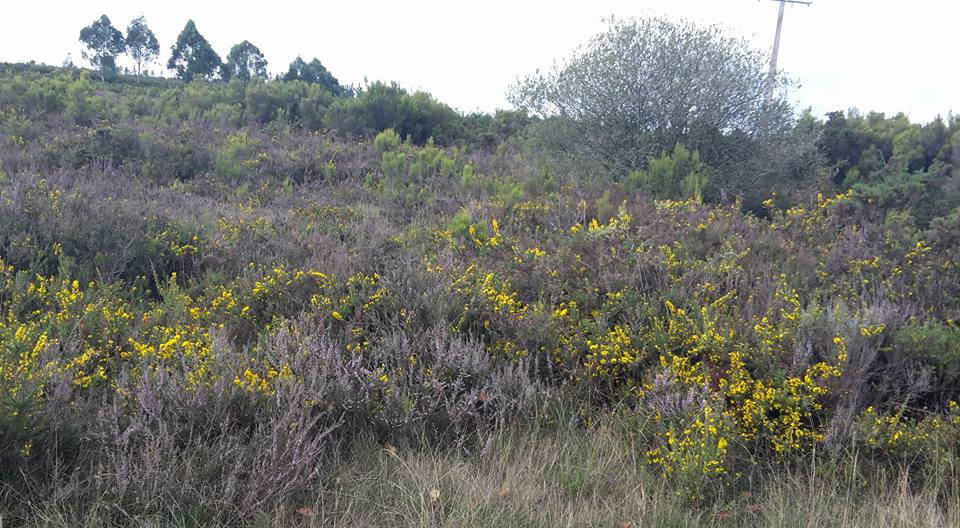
[
  {"x": 935, "y": 345},
  {"x": 677, "y": 174},
  {"x": 387, "y": 141},
  {"x": 232, "y": 159}
]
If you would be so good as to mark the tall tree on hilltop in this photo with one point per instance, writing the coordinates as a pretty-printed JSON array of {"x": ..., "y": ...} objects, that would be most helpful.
[
  {"x": 104, "y": 42},
  {"x": 314, "y": 72},
  {"x": 192, "y": 55},
  {"x": 142, "y": 44},
  {"x": 245, "y": 62}
]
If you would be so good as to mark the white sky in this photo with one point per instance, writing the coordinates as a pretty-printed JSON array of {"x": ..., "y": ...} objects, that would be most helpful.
[{"x": 879, "y": 55}]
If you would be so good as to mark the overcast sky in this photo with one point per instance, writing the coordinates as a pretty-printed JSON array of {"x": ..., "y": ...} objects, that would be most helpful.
[{"x": 882, "y": 55}]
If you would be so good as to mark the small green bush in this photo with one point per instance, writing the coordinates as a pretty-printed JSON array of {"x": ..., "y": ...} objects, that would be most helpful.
[
  {"x": 387, "y": 141},
  {"x": 675, "y": 174},
  {"x": 936, "y": 345}
]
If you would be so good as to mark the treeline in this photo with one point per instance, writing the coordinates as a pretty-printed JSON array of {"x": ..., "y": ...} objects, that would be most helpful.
[
  {"x": 307, "y": 95},
  {"x": 32, "y": 91},
  {"x": 192, "y": 56},
  {"x": 895, "y": 166}
]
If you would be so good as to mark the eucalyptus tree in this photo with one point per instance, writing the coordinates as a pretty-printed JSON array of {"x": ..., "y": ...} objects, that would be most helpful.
[
  {"x": 103, "y": 42},
  {"x": 314, "y": 72},
  {"x": 192, "y": 55},
  {"x": 142, "y": 44},
  {"x": 245, "y": 62}
]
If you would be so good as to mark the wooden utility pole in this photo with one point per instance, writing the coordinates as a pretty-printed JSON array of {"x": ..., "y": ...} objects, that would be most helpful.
[{"x": 772, "y": 76}]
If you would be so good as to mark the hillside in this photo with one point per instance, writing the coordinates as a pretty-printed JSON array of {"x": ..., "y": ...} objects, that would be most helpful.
[{"x": 228, "y": 303}]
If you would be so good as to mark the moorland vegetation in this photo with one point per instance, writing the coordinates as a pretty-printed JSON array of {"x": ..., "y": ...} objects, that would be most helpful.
[{"x": 286, "y": 302}]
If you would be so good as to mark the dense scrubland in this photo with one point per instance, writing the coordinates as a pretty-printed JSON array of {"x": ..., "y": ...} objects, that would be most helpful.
[{"x": 260, "y": 303}]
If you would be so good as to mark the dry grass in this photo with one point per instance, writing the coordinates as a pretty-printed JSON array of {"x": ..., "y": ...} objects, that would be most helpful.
[
  {"x": 563, "y": 476},
  {"x": 568, "y": 478}
]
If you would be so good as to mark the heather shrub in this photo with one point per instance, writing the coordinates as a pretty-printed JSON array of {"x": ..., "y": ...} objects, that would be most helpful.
[
  {"x": 172, "y": 154},
  {"x": 103, "y": 146},
  {"x": 431, "y": 386},
  {"x": 216, "y": 450}
]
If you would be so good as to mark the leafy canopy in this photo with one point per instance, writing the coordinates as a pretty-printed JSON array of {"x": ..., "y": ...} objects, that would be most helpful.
[
  {"x": 142, "y": 44},
  {"x": 314, "y": 73},
  {"x": 192, "y": 55},
  {"x": 646, "y": 85},
  {"x": 104, "y": 42},
  {"x": 245, "y": 62}
]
